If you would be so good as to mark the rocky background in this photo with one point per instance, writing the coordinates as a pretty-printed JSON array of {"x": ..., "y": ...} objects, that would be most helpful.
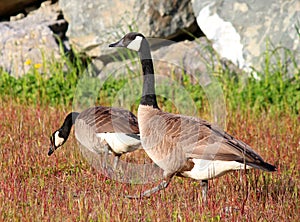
[{"x": 238, "y": 30}]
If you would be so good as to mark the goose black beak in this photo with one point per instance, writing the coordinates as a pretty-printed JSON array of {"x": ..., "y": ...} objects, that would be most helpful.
[
  {"x": 117, "y": 44},
  {"x": 51, "y": 150}
]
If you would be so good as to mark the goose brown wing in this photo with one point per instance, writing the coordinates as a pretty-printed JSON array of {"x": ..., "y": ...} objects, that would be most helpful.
[
  {"x": 110, "y": 120},
  {"x": 200, "y": 140},
  {"x": 219, "y": 145}
]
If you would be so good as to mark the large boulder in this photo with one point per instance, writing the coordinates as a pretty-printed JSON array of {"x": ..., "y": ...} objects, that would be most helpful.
[
  {"x": 94, "y": 24},
  {"x": 30, "y": 41},
  {"x": 242, "y": 30}
]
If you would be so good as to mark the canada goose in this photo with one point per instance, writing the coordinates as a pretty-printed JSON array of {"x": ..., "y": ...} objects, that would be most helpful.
[
  {"x": 182, "y": 145},
  {"x": 101, "y": 130}
]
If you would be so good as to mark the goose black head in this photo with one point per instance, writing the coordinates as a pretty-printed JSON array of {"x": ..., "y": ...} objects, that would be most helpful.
[
  {"x": 60, "y": 136},
  {"x": 132, "y": 40},
  {"x": 56, "y": 140}
]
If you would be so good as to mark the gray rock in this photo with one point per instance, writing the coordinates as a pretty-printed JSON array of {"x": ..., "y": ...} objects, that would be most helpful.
[
  {"x": 17, "y": 17},
  {"x": 30, "y": 41},
  {"x": 165, "y": 19},
  {"x": 240, "y": 30},
  {"x": 94, "y": 24}
]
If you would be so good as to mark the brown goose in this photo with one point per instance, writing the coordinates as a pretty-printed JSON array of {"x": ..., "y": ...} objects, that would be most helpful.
[
  {"x": 100, "y": 129},
  {"x": 182, "y": 145}
]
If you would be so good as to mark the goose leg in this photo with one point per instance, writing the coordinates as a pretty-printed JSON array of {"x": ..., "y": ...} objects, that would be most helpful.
[
  {"x": 116, "y": 160},
  {"x": 204, "y": 185},
  {"x": 106, "y": 149},
  {"x": 149, "y": 192}
]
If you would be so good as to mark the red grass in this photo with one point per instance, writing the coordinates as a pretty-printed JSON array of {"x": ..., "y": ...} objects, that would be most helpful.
[{"x": 64, "y": 186}]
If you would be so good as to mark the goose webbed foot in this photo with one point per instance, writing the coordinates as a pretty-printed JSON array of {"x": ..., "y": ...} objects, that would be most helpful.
[
  {"x": 204, "y": 185},
  {"x": 149, "y": 192}
]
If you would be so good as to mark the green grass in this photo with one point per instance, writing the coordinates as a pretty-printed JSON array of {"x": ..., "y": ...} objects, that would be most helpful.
[
  {"x": 264, "y": 113},
  {"x": 274, "y": 89}
]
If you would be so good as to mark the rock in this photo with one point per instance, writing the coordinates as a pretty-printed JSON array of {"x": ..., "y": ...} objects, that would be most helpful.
[
  {"x": 165, "y": 19},
  {"x": 95, "y": 24},
  {"x": 10, "y": 7},
  {"x": 17, "y": 17},
  {"x": 30, "y": 41},
  {"x": 191, "y": 57},
  {"x": 240, "y": 30}
]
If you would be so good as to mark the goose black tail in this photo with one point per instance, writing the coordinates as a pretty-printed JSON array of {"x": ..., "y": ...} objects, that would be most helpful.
[{"x": 263, "y": 166}]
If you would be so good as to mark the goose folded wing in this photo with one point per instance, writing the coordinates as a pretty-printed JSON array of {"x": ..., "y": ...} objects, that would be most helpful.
[
  {"x": 111, "y": 120},
  {"x": 219, "y": 145},
  {"x": 201, "y": 140}
]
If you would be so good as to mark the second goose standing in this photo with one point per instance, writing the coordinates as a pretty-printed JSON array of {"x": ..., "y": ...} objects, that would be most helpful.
[
  {"x": 100, "y": 129},
  {"x": 182, "y": 145}
]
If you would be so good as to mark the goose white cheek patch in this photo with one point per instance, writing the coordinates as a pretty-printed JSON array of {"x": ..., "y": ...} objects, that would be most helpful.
[
  {"x": 58, "y": 140},
  {"x": 136, "y": 43}
]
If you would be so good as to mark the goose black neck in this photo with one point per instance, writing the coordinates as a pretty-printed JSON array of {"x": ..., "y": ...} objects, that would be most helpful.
[
  {"x": 148, "y": 95},
  {"x": 67, "y": 125}
]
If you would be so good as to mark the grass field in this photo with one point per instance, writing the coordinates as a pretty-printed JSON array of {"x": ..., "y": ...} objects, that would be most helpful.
[
  {"x": 264, "y": 113},
  {"x": 35, "y": 187}
]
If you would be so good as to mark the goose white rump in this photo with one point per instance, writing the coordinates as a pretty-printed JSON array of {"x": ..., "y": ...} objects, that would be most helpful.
[
  {"x": 208, "y": 169},
  {"x": 121, "y": 142}
]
